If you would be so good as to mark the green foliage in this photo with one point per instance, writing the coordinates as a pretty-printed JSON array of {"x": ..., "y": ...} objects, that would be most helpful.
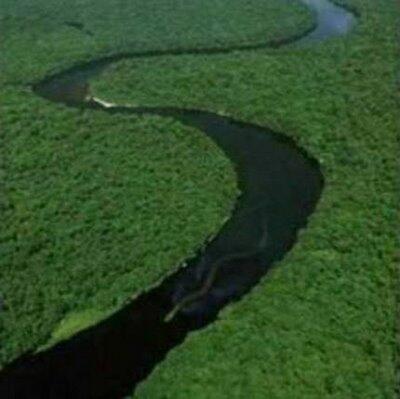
[
  {"x": 97, "y": 208},
  {"x": 74, "y": 322},
  {"x": 36, "y": 39},
  {"x": 322, "y": 324}
]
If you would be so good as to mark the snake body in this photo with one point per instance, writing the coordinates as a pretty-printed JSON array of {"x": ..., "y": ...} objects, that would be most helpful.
[{"x": 213, "y": 271}]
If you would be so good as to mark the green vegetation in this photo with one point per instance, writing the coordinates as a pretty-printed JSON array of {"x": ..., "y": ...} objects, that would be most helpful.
[
  {"x": 36, "y": 39},
  {"x": 323, "y": 323},
  {"x": 74, "y": 322},
  {"x": 96, "y": 208}
]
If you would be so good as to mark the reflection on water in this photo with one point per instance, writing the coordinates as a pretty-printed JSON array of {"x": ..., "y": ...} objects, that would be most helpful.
[{"x": 332, "y": 21}]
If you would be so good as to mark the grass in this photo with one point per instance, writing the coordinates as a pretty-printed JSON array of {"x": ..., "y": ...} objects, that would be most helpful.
[
  {"x": 95, "y": 209},
  {"x": 323, "y": 323}
]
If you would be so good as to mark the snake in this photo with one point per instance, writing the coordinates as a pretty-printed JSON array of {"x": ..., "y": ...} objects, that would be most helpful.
[{"x": 214, "y": 269}]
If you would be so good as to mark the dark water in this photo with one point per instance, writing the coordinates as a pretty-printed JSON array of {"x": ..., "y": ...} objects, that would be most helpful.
[{"x": 280, "y": 187}]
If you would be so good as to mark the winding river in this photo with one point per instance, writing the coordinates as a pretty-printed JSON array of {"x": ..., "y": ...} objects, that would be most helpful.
[{"x": 280, "y": 186}]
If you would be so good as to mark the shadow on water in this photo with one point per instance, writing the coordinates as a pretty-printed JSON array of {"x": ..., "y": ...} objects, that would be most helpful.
[{"x": 280, "y": 187}]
